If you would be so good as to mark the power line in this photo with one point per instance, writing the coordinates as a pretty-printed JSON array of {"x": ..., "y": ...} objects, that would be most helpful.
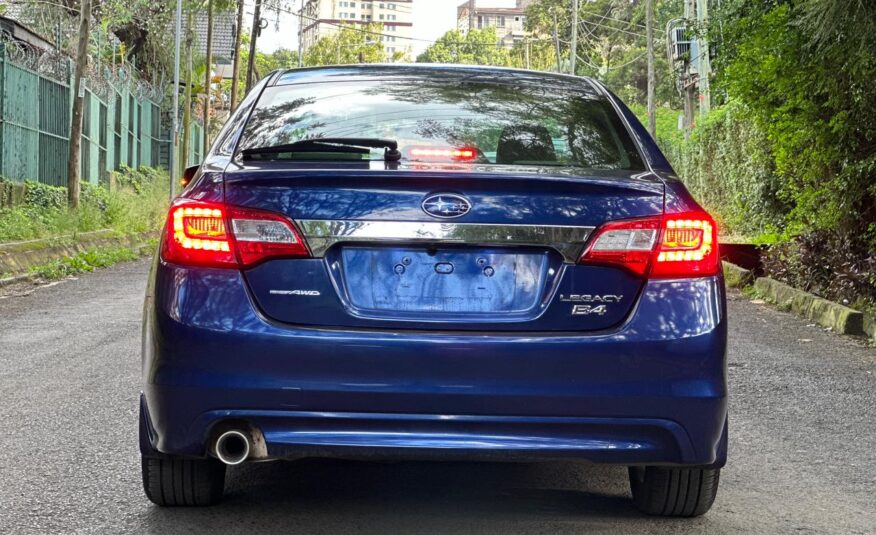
[{"x": 616, "y": 30}]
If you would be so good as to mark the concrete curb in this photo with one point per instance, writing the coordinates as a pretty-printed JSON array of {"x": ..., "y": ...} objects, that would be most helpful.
[
  {"x": 841, "y": 319},
  {"x": 18, "y": 258},
  {"x": 737, "y": 277},
  {"x": 17, "y": 278},
  {"x": 870, "y": 326}
]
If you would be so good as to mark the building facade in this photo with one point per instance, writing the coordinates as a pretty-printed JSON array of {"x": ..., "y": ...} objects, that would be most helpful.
[
  {"x": 322, "y": 18},
  {"x": 509, "y": 22}
]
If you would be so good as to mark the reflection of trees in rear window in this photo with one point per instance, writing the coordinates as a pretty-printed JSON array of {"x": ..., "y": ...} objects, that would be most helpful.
[{"x": 521, "y": 125}]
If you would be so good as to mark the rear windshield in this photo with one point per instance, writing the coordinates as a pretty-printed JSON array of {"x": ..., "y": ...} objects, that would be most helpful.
[{"x": 452, "y": 119}]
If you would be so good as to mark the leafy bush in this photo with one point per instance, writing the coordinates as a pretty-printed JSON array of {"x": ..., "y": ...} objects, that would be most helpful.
[
  {"x": 137, "y": 204},
  {"x": 829, "y": 264}
]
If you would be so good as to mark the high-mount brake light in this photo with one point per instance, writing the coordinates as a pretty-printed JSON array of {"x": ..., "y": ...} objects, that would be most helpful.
[
  {"x": 671, "y": 246},
  {"x": 213, "y": 235},
  {"x": 464, "y": 154}
]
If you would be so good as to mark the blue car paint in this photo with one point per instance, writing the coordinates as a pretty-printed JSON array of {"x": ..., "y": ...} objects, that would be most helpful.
[
  {"x": 210, "y": 355},
  {"x": 646, "y": 387}
]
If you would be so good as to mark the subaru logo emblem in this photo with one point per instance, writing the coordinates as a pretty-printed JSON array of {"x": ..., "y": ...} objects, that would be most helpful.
[{"x": 446, "y": 205}]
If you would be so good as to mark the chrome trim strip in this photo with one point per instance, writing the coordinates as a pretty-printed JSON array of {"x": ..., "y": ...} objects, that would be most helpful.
[{"x": 323, "y": 234}]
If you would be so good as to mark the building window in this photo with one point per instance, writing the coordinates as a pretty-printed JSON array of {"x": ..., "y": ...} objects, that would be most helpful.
[
  {"x": 352, "y": 4},
  {"x": 390, "y": 6},
  {"x": 480, "y": 21},
  {"x": 501, "y": 22},
  {"x": 382, "y": 6},
  {"x": 381, "y": 16}
]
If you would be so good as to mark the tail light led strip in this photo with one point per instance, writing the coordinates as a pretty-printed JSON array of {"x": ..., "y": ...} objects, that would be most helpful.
[
  {"x": 200, "y": 236},
  {"x": 213, "y": 235},
  {"x": 671, "y": 246}
]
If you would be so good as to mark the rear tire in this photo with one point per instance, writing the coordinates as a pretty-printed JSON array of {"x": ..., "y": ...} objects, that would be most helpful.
[
  {"x": 680, "y": 492},
  {"x": 183, "y": 482}
]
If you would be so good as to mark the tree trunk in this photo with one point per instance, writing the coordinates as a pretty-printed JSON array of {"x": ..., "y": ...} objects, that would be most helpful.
[
  {"x": 187, "y": 96},
  {"x": 208, "y": 76},
  {"x": 652, "y": 79},
  {"x": 235, "y": 70},
  {"x": 73, "y": 161},
  {"x": 557, "y": 45},
  {"x": 573, "y": 55},
  {"x": 256, "y": 29}
]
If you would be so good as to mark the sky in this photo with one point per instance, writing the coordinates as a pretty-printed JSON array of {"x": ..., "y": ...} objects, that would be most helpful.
[{"x": 432, "y": 18}]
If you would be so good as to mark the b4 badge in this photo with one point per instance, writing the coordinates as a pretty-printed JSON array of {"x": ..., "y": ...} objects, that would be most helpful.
[{"x": 587, "y": 310}]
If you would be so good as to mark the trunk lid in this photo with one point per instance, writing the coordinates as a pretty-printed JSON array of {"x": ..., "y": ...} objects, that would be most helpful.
[{"x": 443, "y": 249}]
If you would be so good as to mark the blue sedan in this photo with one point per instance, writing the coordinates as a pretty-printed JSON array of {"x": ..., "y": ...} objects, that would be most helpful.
[{"x": 434, "y": 262}]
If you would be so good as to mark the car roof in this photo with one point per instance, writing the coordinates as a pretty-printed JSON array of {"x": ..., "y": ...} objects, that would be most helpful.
[{"x": 435, "y": 71}]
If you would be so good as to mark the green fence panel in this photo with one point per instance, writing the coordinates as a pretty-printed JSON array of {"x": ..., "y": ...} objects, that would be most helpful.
[
  {"x": 54, "y": 122},
  {"x": 20, "y": 123},
  {"x": 120, "y": 127},
  {"x": 145, "y": 133}
]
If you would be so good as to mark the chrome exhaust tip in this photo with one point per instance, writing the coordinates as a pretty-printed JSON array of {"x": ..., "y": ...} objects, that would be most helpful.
[{"x": 233, "y": 447}]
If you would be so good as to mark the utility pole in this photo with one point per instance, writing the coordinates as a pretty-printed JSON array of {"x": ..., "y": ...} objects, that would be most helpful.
[
  {"x": 300, "y": 35},
  {"x": 208, "y": 76},
  {"x": 573, "y": 55},
  {"x": 652, "y": 80},
  {"x": 687, "y": 76},
  {"x": 174, "y": 127},
  {"x": 471, "y": 14},
  {"x": 256, "y": 29},
  {"x": 235, "y": 69},
  {"x": 557, "y": 44},
  {"x": 187, "y": 95},
  {"x": 78, "y": 94},
  {"x": 704, "y": 63}
]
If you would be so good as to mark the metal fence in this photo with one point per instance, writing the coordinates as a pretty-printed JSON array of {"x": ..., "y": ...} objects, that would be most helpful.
[{"x": 122, "y": 120}]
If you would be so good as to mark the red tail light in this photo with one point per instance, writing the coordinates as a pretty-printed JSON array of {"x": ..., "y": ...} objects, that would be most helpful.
[
  {"x": 213, "y": 235},
  {"x": 464, "y": 154},
  {"x": 671, "y": 246}
]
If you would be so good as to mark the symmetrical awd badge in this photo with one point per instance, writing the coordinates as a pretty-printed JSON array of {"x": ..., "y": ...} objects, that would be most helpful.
[{"x": 446, "y": 205}]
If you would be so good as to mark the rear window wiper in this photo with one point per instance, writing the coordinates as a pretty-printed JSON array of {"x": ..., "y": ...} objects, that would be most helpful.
[{"x": 339, "y": 145}]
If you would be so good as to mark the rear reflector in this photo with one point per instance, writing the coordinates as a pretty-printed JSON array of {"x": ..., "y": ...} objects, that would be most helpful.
[
  {"x": 197, "y": 233},
  {"x": 673, "y": 246}
]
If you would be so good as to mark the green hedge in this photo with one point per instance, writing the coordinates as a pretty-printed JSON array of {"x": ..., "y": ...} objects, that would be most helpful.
[{"x": 728, "y": 166}]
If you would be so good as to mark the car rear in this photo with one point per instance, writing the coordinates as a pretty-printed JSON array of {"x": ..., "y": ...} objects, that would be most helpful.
[{"x": 525, "y": 281}]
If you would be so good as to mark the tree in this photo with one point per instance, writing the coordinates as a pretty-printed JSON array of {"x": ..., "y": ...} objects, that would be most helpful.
[
  {"x": 542, "y": 56},
  {"x": 476, "y": 47},
  {"x": 612, "y": 45},
  {"x": 76, "y": 121},
  {"x": 282, "y": 58},
  {"x": 208, "y": 74},
  {"x": 235, "y": 72},
  {"x": 351, "y": 44}
]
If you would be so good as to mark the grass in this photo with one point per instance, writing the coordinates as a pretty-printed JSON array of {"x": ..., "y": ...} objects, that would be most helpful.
[
  {"x": 86, "y": 262},
  {"x": 138, "y": 204}
]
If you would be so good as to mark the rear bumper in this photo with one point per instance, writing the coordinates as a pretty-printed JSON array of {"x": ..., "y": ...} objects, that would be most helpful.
[{"x": 653, "y": 391}]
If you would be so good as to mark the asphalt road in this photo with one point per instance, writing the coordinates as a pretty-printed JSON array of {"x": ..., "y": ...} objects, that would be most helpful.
[{"x": 801, "y": 449}]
